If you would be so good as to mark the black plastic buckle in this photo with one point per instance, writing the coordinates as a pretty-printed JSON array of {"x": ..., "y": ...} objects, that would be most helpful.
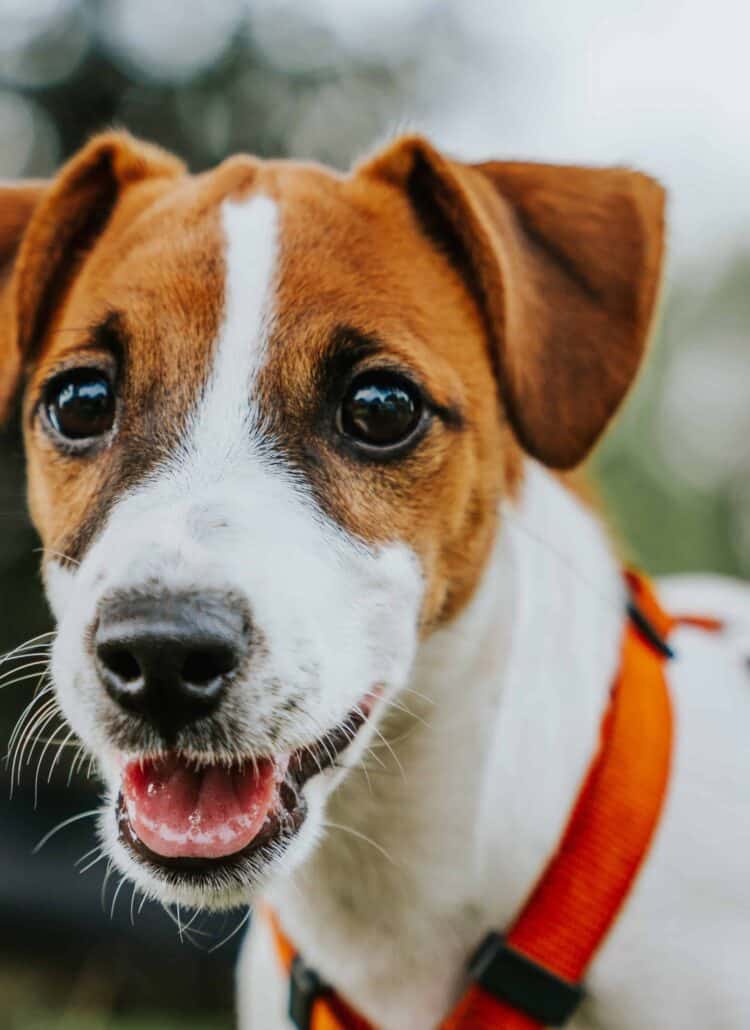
[
  {"x": 648, "y": 630},
  {"x": 518, "y": 981},
  {"x": 305, "y": 987}
]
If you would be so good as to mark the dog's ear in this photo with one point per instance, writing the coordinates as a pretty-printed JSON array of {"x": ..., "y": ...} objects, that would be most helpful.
[
  {"x": 17, "y": 203},
  {"x": 565, "y": 265},
  {"x": 46, "y": 230}
]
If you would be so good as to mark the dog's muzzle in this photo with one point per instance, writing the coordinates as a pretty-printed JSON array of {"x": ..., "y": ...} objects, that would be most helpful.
[{"x": 191, "y": 798}]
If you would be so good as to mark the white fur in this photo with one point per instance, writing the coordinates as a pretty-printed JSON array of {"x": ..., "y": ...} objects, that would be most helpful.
[
  {"x": 337, "y": 618},
  {"x": 492, "y": 763},
  {"x": 251, "y": 231}
]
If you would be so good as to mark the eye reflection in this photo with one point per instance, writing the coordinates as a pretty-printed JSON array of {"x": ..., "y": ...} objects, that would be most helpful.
[
  {"x": 80, "y": 404},
  {"x": 381, "y": 409}
]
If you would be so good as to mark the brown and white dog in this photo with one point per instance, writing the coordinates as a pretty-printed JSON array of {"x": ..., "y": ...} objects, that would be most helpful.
[{"x": 334, "y": 632}]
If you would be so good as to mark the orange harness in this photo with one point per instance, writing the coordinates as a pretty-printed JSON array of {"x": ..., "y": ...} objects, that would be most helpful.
[{"x": 531, "y": 977}]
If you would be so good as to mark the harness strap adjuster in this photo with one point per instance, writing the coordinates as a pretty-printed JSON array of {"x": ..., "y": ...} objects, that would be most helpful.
[
  {"x": 648, "y": 630},
  {"x": 305, "y": 987},
  {"x": 513, "y": 978}
]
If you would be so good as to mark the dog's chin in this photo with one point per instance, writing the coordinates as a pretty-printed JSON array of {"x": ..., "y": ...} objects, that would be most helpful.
[{"x": 213, "y": 836}]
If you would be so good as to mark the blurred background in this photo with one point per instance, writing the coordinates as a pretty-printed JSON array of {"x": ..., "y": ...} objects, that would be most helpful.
[{"x": 663, "y": 85}]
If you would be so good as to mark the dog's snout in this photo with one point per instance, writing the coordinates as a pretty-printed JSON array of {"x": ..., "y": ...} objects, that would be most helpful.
[{"x": 169, "y": 659}]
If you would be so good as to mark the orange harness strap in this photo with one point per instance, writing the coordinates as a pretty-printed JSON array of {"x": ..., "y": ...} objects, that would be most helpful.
[
  {"x": 531, "y": 977},
  {"x": 327, "y": 1011}
]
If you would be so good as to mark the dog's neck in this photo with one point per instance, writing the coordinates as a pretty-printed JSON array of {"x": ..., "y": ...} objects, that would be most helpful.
[{"x": 461, "y": 805}]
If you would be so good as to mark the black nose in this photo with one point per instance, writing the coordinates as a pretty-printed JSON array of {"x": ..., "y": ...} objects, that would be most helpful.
[{"x": 169, "y": 659}]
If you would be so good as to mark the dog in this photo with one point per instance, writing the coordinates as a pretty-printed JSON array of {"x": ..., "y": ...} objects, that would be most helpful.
[{"x": 330, "y": 617}]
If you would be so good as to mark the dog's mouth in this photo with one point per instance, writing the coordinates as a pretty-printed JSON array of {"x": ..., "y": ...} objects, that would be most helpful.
[{"x": 195, "y": 818}]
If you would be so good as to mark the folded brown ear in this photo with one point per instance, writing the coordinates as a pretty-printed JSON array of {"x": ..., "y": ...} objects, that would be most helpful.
[
  {"x": 53, "y": 235},
  {"x": 17, "y": 203},
  {"x": 565, "y": 265}
]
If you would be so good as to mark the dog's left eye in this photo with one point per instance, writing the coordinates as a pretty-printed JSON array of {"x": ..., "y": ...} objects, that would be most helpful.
[
  {"x": 80, "y": 404},
  {"x": 381, "y": 410}
]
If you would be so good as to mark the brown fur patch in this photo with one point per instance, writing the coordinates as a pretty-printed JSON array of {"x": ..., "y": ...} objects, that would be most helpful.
[{"x": 17, "y": 204}]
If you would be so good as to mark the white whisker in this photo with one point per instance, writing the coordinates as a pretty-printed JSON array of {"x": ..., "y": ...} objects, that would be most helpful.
[
  {"x": 360, "y": 836},
  {"x": 396, "y": 706},
  {"x": 371, "y": 752},
  {"x": 58, "y": 554},
  {"x": 37, "y": 773},
  {"x": 56, "y": 759},
  {"x": 387, "y": 745},
  {"x": 123, "y": 878},
  {"x": 61, "y": 826},
  {"x": 192, "y": 919},
  {"x": 105, "y": 881},
  {"x": 234, "y": 933},
  {"x": 36, "y": 722},
  {"x": 25, "y": 714},
  {"x": 181, "y": 932},
  {"x": 87, "y": 854},
  {"x": 25, "y": 645},
  {"x": 417, "y": 693},
  {"x": 102, "y": 854},
  {"x": 76, "y": 758},
  {"x": 36, "y": 664}
]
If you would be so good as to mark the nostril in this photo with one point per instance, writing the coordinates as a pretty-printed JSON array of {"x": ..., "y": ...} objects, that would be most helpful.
[
  {"x": 203, "y": 665},
  {"x": 121, "y": 662}
]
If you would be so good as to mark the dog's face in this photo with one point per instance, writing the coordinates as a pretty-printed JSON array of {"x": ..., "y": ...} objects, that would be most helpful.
[{"x": 269, "y": 413}]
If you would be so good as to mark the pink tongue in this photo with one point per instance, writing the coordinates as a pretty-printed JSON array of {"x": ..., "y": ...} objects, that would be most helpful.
[{"x": 180, "y": 813}]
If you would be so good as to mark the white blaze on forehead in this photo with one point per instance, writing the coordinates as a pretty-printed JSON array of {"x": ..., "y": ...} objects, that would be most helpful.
[{"x": 250, "y": 230}]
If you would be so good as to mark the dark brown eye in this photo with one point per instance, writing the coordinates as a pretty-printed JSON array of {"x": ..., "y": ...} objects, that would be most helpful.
[
  {"x": 381, "y": 409},
  {"x": 80, "y": 404}
]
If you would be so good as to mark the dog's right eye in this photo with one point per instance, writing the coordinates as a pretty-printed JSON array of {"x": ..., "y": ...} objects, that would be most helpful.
[{"x": 80, "y": 404}]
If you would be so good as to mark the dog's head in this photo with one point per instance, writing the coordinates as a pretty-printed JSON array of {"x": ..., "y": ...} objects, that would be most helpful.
[{"x": 269, "y": 413}]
